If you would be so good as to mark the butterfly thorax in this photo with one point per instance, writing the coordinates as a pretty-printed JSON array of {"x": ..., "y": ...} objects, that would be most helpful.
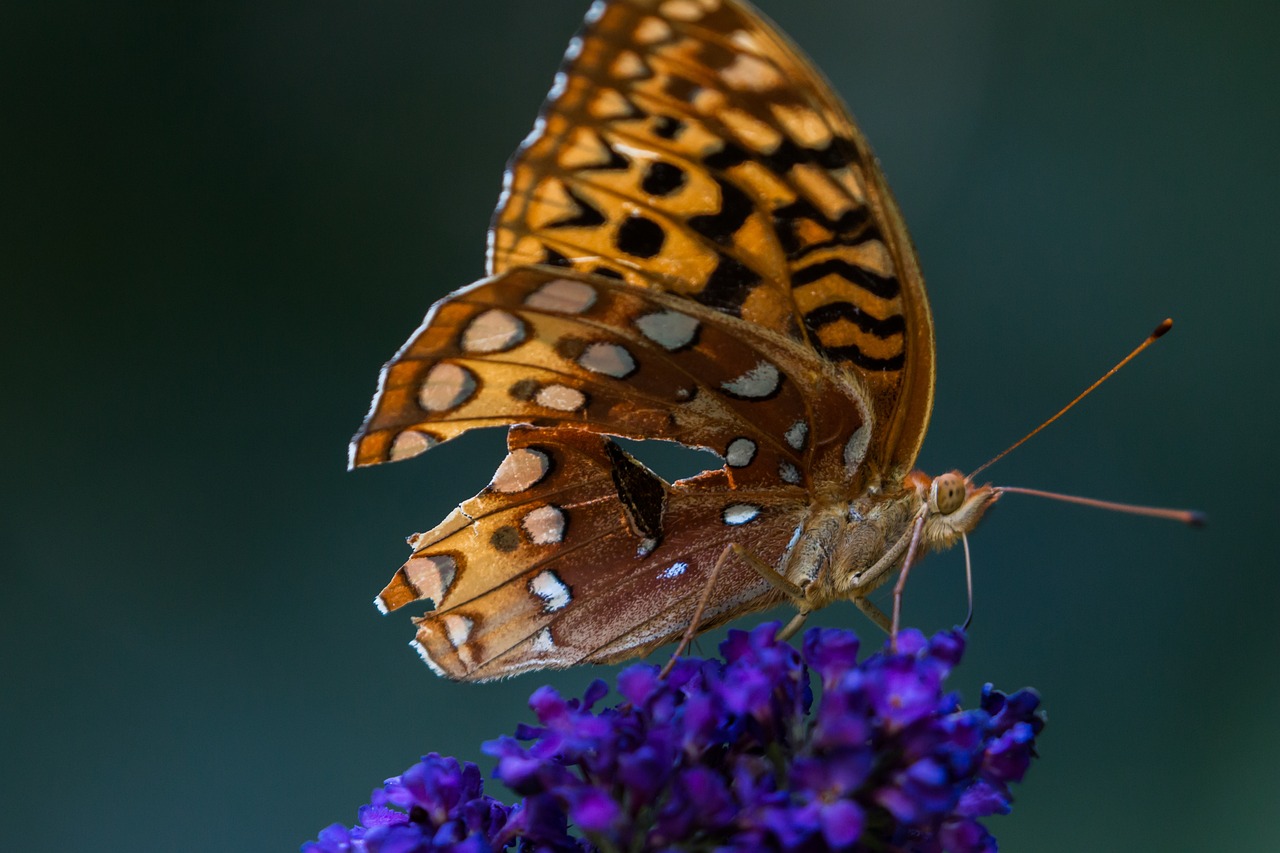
[{"x": 845, "y": 549}]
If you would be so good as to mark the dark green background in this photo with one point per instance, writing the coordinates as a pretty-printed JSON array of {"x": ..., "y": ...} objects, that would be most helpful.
[{"x": 220, "y": 218}]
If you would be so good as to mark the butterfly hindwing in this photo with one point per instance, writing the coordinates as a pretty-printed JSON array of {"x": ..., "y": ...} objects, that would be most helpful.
[{"x": 576, "y": 552}]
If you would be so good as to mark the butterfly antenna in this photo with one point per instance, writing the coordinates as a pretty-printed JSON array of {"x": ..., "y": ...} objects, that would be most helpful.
[
  {"x": 968, "y": 579},
  {"x": 1191, "y": 517},
  {"x": 1151, "y": 339}
]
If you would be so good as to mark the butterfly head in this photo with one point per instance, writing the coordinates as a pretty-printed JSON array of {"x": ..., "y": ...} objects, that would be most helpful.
[{"x": 953, "y": 506}]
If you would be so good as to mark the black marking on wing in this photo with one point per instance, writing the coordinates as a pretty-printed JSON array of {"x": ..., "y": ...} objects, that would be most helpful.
[
  {"x": 719, "y": 227},
  {"x": 586, "y": 217},
  {"x": 885, "y": 287},
  {"x": 662, "y": 178},
  {"x": 643, "y": 494},
  {"x": 640, "y": 237},
  {"x": 728, "y": 286},
  {"x": 834, "y": 311}
]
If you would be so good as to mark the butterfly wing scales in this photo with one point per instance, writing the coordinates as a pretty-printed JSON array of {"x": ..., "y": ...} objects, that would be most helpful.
[
  {"x": 551, "y": 348},
  {"x": 688, "y": 145},
  {"x": 549, "y": 565}
]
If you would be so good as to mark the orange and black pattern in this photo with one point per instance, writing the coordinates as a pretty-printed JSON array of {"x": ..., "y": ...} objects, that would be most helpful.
[{"x": 686, "y": 143}]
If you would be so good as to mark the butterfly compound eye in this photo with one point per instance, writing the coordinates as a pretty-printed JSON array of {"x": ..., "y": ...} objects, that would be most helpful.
[{"x": 947, "y": 492}]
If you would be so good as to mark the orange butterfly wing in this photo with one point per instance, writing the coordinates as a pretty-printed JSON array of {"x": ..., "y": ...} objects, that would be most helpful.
[{"x": 687, "y": 145}]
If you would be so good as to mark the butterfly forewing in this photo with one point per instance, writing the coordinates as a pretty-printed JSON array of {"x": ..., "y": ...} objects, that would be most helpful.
[
  {"x": 575, "y": 552},
  {"x": 552, "y": 348},
  {"x": 687, "y": 145}
]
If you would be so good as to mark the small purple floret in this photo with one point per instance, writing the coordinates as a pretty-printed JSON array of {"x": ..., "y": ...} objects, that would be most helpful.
[{"x": 744, "y": 753}]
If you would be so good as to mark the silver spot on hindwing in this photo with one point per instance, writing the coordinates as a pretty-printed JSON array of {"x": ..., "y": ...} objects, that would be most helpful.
[
  {"x": 670, "y": 330},
  {"x": 757, "y": 383},
  {"x": 740, "y": 452},
  {"x": 431, "y": 576},
  {"x": 562, "y": 398},
  {"x": 609, "y": 359},
  {"x": 522, "y": 469},
  {"x": 542, "y": 642},
  {"x": 797, "y": 434},
  {"x": 544, "y": 525},
  {"x": 673, "y": 571},
  {"x": 554, "y": 593},
  {"x": 738, "y": 514},
  {"x": 457, "y": 629}
]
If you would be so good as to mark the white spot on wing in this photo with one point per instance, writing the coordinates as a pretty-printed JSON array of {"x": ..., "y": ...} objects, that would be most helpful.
[
  {"x": 675, "y": 570},
  {"x": 522, "y": 469},
  {"x": 796, "y": 435},
  {"x": 548, "y": 586},
  {"x": 575, "y": 47},
  {"x": 856, "y": 448},
  {"x": 431, "y": 576},
  {"x": 789, "y": 473},
  {"x": 645, "y": 548},
  {"x": 542, "y": 642},
  {"x": 562, "y": 295},
  {"x": 609, "y": 359},
  {"x": 446, "y": 386},
  {"x": 457, "y": 628},
  {"x": 410, "y": 443},
  {"x": 562, "y": 398},
  {"x": 494, "y": 330},
  {"x": 737, "y": 514},
  {"x": 545, "y": 525},
  {"x": 668, "y": 329},
  {"x": 740, "y": 452},
  {"x": 760, "y": 381},
  {"x": 380, "y": 604}
]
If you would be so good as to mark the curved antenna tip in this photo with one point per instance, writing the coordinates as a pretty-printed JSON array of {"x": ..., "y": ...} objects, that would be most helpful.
[
  {"x": 1195, "y": 518},
  {"x": 1162, "y": 328}
]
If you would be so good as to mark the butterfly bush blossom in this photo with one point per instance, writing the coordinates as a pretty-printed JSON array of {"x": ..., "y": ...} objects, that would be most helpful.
[{"x": 731, "y": 755}]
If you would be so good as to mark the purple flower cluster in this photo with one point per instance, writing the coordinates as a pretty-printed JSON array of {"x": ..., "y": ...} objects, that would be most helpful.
[{"x": 731, "y": 755}]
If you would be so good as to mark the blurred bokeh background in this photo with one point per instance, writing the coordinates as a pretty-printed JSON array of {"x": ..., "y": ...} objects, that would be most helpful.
[{"x": 220, "y": 218}]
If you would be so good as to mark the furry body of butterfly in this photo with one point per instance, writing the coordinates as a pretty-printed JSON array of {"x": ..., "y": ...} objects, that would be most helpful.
[{"x": 694, "y": 244}]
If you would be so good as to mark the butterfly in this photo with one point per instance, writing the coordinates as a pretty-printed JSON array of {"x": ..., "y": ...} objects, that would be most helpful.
[{"x": 694, "y": 244}]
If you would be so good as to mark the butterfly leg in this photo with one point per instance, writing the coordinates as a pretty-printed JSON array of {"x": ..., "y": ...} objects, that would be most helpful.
[
  {"x": 789, "y": 630},
  {"x": 902, "y": 580},
  {"x": 765, "y": 571},
  {"x": 874, "y": 613}
]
